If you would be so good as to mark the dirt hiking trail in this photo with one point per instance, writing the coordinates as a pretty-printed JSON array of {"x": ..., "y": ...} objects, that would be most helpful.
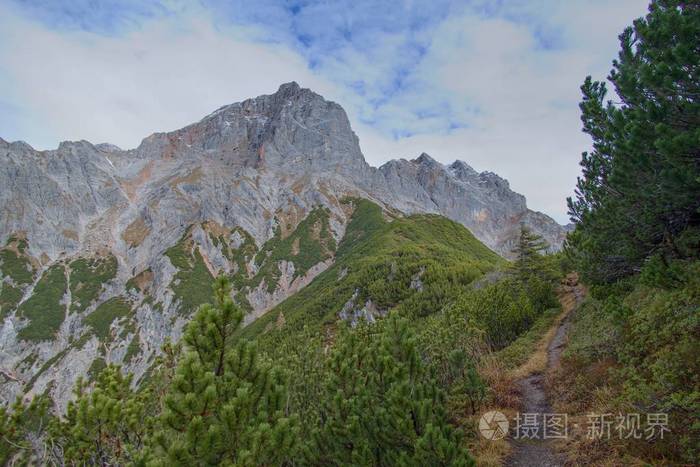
[{"x": 538, "y": 451}]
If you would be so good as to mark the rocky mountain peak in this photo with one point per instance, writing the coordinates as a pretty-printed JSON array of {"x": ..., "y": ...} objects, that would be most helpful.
[
  {"x": 426, "y": 160},
  {"x": 107, "y": 147},
  {"x": 75, "y": 147},
  {"x": 495, "y": 180},
  {"x": 294, "y": 128},
  {"x": 244, "y": 190},
  {"x": 17, "y": 146},
  {"x": 462, "y": 170},
  {"x": 289, "y": 89}
]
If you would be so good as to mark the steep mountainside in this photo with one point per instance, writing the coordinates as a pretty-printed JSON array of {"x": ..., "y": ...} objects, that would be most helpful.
[
  {"x": 418, "y": 266},
  {"x": 381, "y": 263},
  {"x": 105, "y": 252}
]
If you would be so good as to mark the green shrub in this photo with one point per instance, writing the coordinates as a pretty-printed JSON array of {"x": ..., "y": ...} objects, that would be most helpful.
[
  {"x": 10, "y": 296},
  {"x": 658, "y": 354},
  {"x": 104, "y": 315},
  {"x": 17, "y": 267},
  {"x": 133, "y": 349},
  {"x": 381, "y": 406},
  {"x": 43, "y": 309},
  {"x": 503, "y": 310},
  {"x": 96, "y": 368},
  {"x": 647, "y": 334},
  {"x": 87, "y": 279},
  {"x": 520, "y": 350},
  {"x": 192, "y": 283}
]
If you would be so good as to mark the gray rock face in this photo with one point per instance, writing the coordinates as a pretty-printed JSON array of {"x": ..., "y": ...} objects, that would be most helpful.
[
  {"x": 482, "y": 202},
  {"x": 259, "y": 167}
]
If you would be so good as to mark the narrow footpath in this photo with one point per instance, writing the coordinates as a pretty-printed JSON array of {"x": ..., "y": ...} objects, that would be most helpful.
[{"x": 538, "y": 451}]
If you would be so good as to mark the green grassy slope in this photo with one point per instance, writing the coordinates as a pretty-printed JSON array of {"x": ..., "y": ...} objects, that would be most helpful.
[
  {"x": 424, "y": 268},
  {"x": 310, "y": 243},
  {"x": 43, "y": 309},
  {"x": 192, "y": 283},
  {"x": 16, "y": 273},
  {"x": 87, "y": 279},
  {"x": 380, "y": 260},
  {"x": 314, "y": 243}
]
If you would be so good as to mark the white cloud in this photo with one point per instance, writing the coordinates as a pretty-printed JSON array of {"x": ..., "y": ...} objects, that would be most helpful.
[
  {"x": 527, "y": 127},
  {"x": 517, "y": 98},
  {"x": 79, "y": 85}
]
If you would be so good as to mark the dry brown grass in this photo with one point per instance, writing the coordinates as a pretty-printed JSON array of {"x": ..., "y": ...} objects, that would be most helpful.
[
  {"x": 537, "y": 363},
  {"x": 505, "y": 399},
  {"x": 484, "y": 451},
  {"x": 503, "y": 390},
  {"x": 216, "y": 229},
  {"x": 489, "y": 453},
  {"x": 578, "y": 390},
  {"x": 144, "y": 280},
  {"x": 580, "y": 449}
]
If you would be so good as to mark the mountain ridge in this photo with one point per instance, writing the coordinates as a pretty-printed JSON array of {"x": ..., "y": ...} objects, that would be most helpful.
[{"x": 254, "y": 190}]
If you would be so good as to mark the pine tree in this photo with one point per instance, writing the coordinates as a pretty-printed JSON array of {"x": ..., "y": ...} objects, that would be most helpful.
[
  {"x": 534, "y": 274},
  {"x": 21, "y": 428},
  {"x": 465, "y": 384},
  {"x": 528, "y": 254},
  {"x": 381, "y": 406},
  {"x": 223, "y": 406},
  {"x": 639, "y": 195},
  {"x": 104, "y": 425}
]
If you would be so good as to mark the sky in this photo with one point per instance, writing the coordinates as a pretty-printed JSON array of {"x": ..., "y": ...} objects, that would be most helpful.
[{"x": 493, "y": 83}]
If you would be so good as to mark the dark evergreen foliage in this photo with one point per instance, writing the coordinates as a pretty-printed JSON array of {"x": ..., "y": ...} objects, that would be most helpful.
[
  {"x": 381, "y": 405},
  {"x": 640, "y": 190},
  {"x": 107, "y": 424},
  {"x": 223, "y": 405},
  {"x": 637, "y": 238}
]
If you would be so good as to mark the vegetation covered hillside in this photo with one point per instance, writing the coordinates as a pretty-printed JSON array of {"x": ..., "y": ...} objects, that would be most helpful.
[
  {"x": 635, "y": 343},
  {"x": 377, "y": 361},
  {"x": 414, "y": 262}
]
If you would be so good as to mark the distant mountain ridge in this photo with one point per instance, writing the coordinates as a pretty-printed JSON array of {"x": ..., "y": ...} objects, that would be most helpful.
[
  {"x": 293, "y": 132},
  {"x": 131, "y": 237}
]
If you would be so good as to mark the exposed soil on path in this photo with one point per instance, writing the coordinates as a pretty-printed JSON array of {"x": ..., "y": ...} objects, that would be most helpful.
[{"x": 536, "y": 450}]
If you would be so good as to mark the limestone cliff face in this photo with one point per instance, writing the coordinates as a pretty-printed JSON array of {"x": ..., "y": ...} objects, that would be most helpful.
[{"x": 241, "y": 191}]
